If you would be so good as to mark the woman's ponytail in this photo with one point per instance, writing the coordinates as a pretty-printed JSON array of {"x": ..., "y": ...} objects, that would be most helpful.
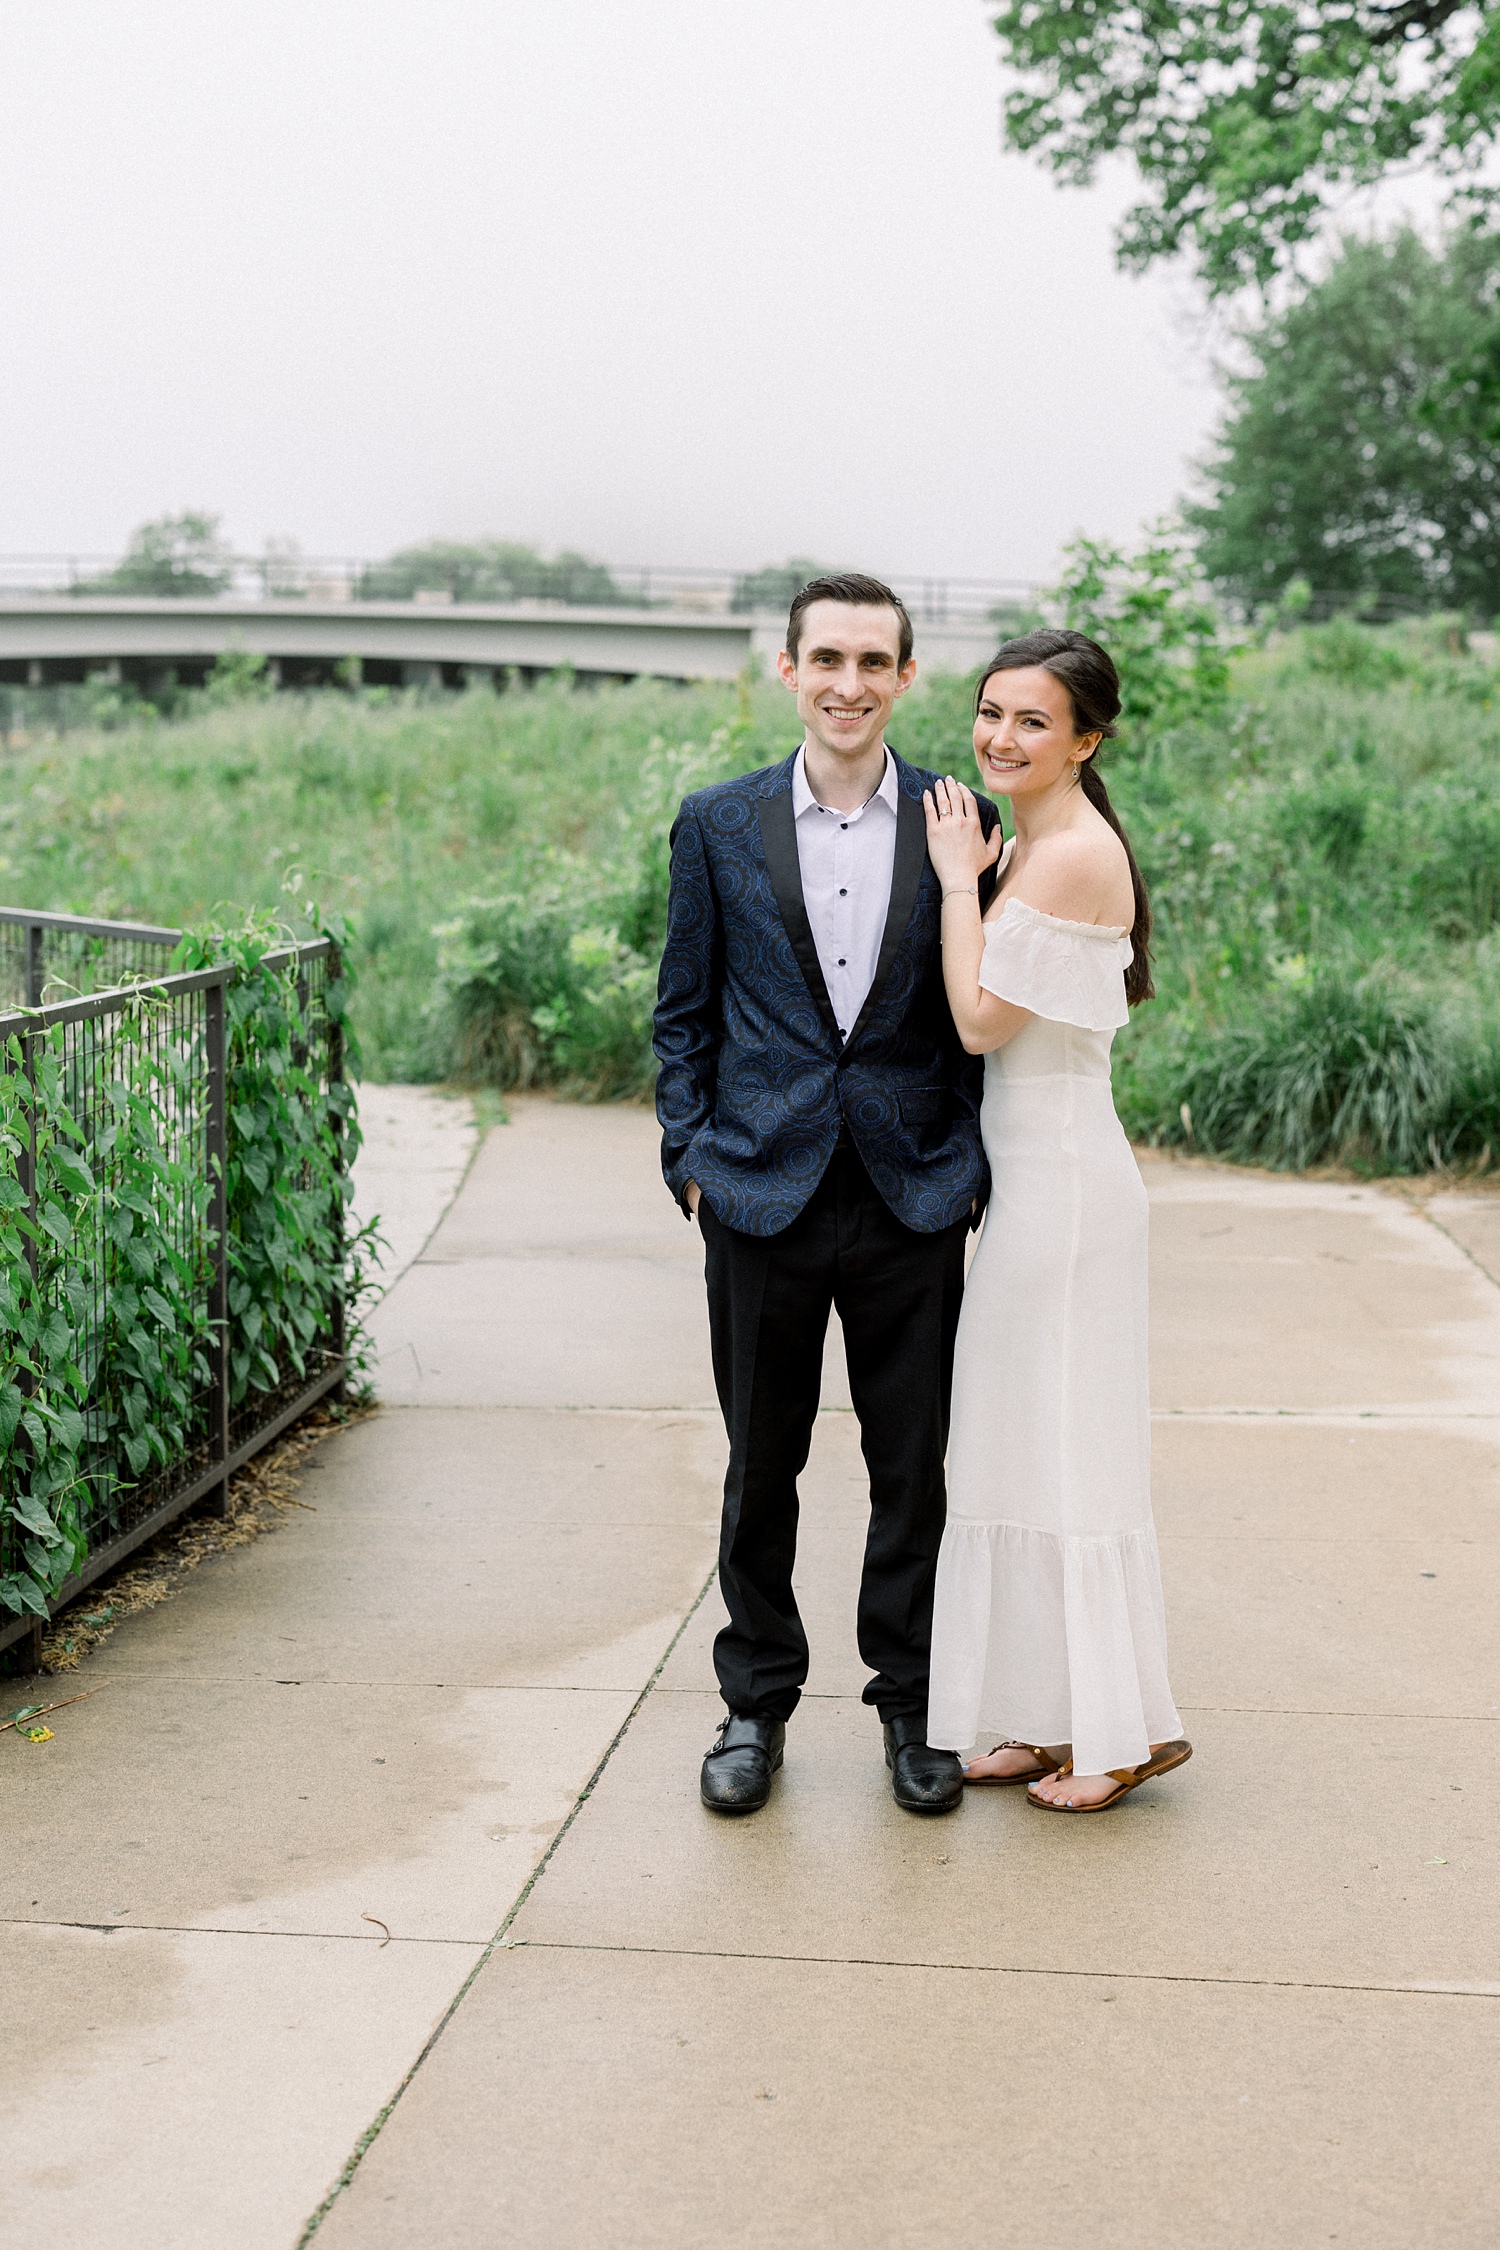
[
  {"x": 1138, "y": 985},
  {"x": 1093, "y": 685}
]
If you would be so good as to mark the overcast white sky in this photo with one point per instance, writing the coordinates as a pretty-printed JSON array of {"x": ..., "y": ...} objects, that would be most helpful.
[{"x": 668, "y": 280}]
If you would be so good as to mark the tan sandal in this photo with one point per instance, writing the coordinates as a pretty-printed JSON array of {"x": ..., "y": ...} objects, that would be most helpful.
[
  {"x": 1044, "y": 1765},
  {"x": 1163, "y": 1758}
]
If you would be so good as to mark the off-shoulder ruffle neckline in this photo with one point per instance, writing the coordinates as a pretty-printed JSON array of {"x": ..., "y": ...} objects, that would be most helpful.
[{"x": 1056, "y": 922}]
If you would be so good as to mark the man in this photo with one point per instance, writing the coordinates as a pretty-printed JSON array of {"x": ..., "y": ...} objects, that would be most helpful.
[{"x": 821, "y": 1121}]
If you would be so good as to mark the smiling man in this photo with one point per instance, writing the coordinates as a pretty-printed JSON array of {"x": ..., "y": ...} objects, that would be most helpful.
[{"x": 820, "y": 1121}]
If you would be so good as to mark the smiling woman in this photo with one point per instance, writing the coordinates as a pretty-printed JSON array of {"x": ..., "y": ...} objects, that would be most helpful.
[{"x": 1048, "y": 1620}]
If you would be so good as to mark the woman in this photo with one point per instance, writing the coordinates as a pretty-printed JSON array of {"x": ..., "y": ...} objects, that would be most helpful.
[{"x": 1049, "y": 1624}]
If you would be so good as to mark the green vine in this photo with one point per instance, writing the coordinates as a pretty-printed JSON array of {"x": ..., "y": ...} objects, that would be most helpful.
[
  {"x": 106, "y": 1248},
  {"x": 292, "y": 1144}
]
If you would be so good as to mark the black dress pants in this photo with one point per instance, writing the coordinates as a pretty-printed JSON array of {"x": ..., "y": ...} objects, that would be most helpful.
[{"x": 898, "y": 1295}]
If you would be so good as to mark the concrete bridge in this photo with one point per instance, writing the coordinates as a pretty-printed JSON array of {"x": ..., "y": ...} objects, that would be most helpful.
[{"x": 52, "y": 639}]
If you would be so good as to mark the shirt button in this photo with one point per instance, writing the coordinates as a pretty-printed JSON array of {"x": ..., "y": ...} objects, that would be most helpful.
[
  {"x": 843, "y": 824},
  {"x": 843, "y": 964},
  {"x": 843, "y": 894}
]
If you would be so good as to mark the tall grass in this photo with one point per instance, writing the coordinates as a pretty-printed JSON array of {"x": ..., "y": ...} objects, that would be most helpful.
[
  {"x": 399, "y": 811},
  {"x": 1323, "y": 853}
]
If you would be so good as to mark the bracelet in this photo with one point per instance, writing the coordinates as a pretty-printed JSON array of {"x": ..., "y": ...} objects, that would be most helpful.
[{"x": 966, "y": 890}]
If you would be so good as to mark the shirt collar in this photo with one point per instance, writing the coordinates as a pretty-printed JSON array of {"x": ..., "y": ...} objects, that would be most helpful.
[{"x": 803, "y": 799}]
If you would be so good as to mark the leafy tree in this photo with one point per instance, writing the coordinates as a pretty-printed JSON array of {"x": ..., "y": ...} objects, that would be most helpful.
[
  {"x": 181, "y": 555},
  {"x": 240, "y": 675},
  {"x": 491, "y": 570},
  {"x": 1150, "y": 610},
  {"x": 1245, "y": 118},
  {"x": 775, "y": 586},
  {"x": 1350, "y": 457}
]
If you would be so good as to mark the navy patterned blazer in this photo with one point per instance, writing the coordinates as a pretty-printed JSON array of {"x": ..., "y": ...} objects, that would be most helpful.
[{"x": 755, "y": 1080}]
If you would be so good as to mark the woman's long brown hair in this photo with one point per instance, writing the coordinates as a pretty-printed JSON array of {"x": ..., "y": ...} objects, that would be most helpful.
[{"x": 1088, "y": 673}]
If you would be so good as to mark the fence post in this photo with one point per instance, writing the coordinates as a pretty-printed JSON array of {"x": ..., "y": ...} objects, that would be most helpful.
[
  {"x": 36, "y": 972},
  {"x": 29, "y": 1647},
  {"x": 332, "y": 971},
  {"x": 216, "y": 1150}
]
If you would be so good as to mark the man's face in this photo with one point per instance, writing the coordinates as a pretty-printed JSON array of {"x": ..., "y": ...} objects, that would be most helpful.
[{"x": 847, "y": 675}]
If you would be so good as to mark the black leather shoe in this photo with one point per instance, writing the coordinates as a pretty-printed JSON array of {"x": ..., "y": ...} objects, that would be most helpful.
[
  {"x": 922, "y": 1780},
  {"x": 737, "y": 1771}
]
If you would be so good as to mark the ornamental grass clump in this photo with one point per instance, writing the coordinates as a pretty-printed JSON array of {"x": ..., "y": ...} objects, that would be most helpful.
[{"x": 1346, "y": 1069}]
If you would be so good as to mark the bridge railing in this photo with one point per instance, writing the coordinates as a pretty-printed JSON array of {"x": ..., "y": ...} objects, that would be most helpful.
[
  {"x": 933, "y": 598},
  {"x": 173, "y": 1240}
]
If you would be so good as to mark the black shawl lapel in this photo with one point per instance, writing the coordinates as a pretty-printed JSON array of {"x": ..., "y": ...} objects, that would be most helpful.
[
  {"x": 906, "y": 876},
  {"x": 778, "y": 834}
]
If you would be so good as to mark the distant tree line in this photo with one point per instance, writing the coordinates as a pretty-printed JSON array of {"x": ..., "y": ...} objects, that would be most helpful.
[
  {"x": 187, "y": 556},
  {"x": 492, "y": 570}
]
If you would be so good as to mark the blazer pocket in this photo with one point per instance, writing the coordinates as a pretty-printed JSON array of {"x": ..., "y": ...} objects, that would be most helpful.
[{"x": 925, "y": 1105}]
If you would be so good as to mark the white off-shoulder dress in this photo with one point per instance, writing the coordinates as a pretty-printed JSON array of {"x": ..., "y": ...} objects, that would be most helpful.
[{"x": 1049, "y": 1624}]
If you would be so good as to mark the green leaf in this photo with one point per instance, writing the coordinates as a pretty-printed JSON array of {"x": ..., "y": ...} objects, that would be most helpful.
[
  {"x": 11, "y": 1403},
  {"x": 57, "y": 1223},
  {"x": 33, "y": 1517},
  {"x": 19, "y": 1593}
]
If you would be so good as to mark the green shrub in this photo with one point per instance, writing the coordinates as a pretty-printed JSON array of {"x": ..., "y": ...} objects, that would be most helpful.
[
  {"x": 1346, "y": 1070},
  {"x": 554, "y": 983},
  {"x": 536, "y": 998},
  {"x": 1456, "y": 878},
  {"x": 1153, "y": 613}
]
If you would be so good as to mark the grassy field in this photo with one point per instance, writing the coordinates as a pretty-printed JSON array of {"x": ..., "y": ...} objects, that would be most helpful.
[{"x": 1323, "y": 851}]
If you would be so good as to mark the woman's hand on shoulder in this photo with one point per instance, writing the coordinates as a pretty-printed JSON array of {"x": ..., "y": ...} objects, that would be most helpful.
[
  {"x": 956, "y": 842},
  {"x": 1079, "y": 875}
]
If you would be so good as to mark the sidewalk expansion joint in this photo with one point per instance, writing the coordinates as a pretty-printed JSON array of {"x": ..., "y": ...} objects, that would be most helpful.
[
  {"x": 1400, "y": 1416},
  {"x": 216, "y": 1929},
  {"x": 416, "y": 1687},
  {"x": 1277, "y": 1711},
  {"x": 678, "y": 1412},
  {"x": 1202, "y": 1710},
  {"x": 1477, "y": 1263},
  {"x": 1446, "y": 1990},
  {"x": 501, "y": 1940}
]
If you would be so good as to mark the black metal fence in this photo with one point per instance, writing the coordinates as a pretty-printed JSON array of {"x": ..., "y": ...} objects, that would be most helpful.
[
  {"x": 58, "y": 956},
  {"x": 144, "y": 1074}
]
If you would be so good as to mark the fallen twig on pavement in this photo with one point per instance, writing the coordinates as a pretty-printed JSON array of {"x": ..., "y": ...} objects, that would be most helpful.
[{"x": 40, "y": 1710}]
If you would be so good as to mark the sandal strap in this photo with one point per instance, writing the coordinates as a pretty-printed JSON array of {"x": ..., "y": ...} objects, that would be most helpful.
[{"x": 1042, "y": 1756}]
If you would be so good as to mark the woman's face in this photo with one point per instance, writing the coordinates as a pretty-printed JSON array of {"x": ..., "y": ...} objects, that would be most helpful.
[{"x": 1024, "y": 739}]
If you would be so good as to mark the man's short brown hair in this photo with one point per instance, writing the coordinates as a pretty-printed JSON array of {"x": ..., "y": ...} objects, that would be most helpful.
[{"x": 860, "y": 593}]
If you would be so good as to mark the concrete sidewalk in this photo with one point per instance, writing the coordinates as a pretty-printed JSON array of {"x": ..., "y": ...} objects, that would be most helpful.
[{"x": 1258, "y": 2007}]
